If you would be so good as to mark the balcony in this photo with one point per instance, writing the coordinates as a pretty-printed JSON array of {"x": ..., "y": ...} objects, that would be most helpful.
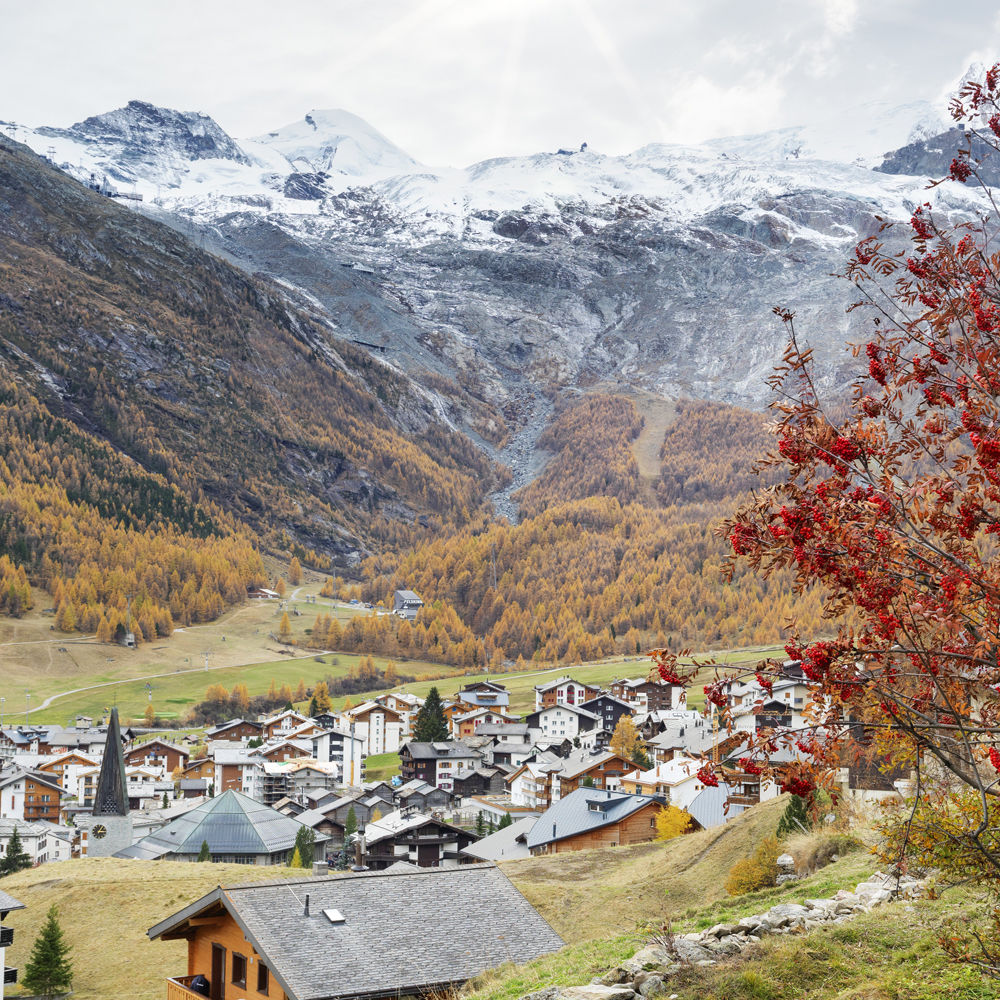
[
  {"x": 6, "y": 937},
  {"x": 745, "y": 800},
  {"x": 177, "y": 989},
  {"x": 9, "y": 976}
]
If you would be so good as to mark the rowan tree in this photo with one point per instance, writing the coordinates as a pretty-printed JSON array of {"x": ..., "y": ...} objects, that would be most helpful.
[{"x": 889, "y": 503}]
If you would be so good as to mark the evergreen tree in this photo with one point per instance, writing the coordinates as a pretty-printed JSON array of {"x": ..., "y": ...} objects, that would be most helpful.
[
  {"x": 430, "y": 725},
  {"x": 480, "y": 824},
  {"x": 795, "y": 818},
  {"x": 166, "y": 801},
  {"x": 350, "y": 824},
  {"x": 204, "y": 854},
  {"x": 505, "y": 821},
  {"x": 17, "y": 858},
  {"x": 313, "y": 708},
  {"x": 305, "y": 844},
  {"x": 49, "y": 970}
]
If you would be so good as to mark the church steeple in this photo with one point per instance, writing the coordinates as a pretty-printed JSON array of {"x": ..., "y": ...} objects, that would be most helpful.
[{"x": 111, "y": 798}]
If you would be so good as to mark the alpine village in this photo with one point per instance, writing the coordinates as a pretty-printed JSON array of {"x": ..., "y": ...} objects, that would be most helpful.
[{"x": 569, "y": 577}]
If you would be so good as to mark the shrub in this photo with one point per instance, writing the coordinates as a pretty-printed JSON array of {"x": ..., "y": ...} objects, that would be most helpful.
[{"x": 757, "y": 872}]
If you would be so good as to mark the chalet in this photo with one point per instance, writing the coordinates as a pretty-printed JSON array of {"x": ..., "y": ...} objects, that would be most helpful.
[
  {"x": 236, "y": 828},
  {"x": 406, "y": 604},
  {"x": 482, "y": 781},
  {"x": 590, "y": 817},
  {"x": 415, "y": 838},
  {"x": 484, "y": 694},
  {"x": 437, "y": 763},
  {"x": 564, "y": 691},
  {"x": 192, "y": 788},
  {"x": 158, "y": 753},
  {"x": 688, "y": 734},
  {"x": 530, "y": 785},
  {"x": 201, "y": 768},
  {"x": 646, "y": 695},
  {"x": 467, "y": 725},
  {"x": 281, "y": 725},
  {"x": 419, "y": 796},
  {"x": 236, "y": 731},
  {"x": 675, "y": 781},
  {"x": 29, "y": 795},
  {"x": 283, "y": 749},
  {"x": 602, "y": 770},
  {"x": 66, "y": 769},
  {"x": 608, "y": 709},
  {"x": 312, "y": 939},
  {"x": 564, "y": 721},
  {"x": 262, "y": 594},
  {"x": 382, "y": 729},
  {"x": 8, "y": 903}
]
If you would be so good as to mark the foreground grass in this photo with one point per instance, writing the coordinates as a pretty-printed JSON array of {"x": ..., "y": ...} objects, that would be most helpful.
[{"x": 105, "y": 908}]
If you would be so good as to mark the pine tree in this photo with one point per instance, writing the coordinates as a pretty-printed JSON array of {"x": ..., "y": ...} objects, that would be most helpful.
[
  {"x": 17, "y": 858},
  {"x": 305, "y": 846},
  {"x": 350, "y": 824},
  {"x": 204, "y": 854},
  {"x": 795, "y": 818},
  {"x": 166, "y": 801},
  {"x": 480, "y": 824},
  {"x": 49, "y": 970},
  {"x": 505, "y": 821},
  {"x": 430, "y": 725}
]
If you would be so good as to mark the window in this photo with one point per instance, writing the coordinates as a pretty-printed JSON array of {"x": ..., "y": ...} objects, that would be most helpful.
[
  {"x": 263, "y": 978},
  {"x": 239, "y": 969},
  {"x": 652, "y": 823}
]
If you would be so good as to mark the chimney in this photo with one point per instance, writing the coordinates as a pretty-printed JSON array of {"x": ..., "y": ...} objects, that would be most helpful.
[{"x": 306, "y": 912}]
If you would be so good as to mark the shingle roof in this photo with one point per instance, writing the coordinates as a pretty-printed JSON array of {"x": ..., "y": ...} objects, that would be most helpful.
[
  {"x": 506, "y": 843},
  {"x": 382, "y": 947},
  {"x": 111, "y": 796},
  {"x": 9, "y": 903},
  {"x": 573, "y": 814},
  {"x": 232, "y": 823},
  {"x": 435, "y": 751}
]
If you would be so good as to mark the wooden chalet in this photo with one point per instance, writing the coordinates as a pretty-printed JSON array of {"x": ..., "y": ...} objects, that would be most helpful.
[
  {"x": 157, "y": 753},
  {"x": 353, "y": 935},
  {"x": 591, "y": 817}
]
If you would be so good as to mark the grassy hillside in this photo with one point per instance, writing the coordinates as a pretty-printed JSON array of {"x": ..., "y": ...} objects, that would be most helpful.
[{"x": 105, "y": 908}]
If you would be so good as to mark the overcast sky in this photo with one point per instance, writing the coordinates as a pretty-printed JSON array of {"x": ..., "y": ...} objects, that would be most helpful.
[{"x": 455, "y": 81}]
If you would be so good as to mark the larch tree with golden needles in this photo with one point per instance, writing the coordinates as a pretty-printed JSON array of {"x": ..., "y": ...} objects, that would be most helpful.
[{"x": 891, "y": 504}]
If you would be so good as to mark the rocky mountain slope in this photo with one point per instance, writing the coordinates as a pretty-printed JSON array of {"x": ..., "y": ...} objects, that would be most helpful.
[
  {"x": 216, "y": 380},
  {"x": 519, "y": 278}
]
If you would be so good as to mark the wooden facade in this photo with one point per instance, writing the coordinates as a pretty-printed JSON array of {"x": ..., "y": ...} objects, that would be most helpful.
[
  {"x": 41, "y": 801},
  {"x": 214, "y": 950},
  {"x": 156, "y": 753},
  {"x": 638, "y": 828}
]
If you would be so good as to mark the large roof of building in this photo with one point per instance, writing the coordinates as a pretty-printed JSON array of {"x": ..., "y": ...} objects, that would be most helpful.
[
  {"x": 381, "y": 947},
  {"x": 434, "y": 751},
  {"x": 510, "y": 842},
  {"x": 583, "y": 810},
  {"x": 232, "y": 823},
  {"x": 8, "y": 903}
]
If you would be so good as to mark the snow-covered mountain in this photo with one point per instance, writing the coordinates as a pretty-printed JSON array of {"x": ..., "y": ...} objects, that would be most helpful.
[
  {"x": 337, "y": 142},
  {"x": 522, "y": 276}
]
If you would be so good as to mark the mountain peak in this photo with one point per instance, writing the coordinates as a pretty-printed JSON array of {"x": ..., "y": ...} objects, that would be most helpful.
[{"x": 335, "y": 141}]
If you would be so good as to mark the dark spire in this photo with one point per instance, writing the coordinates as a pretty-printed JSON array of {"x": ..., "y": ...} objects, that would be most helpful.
[{"x": 111, "y": 798}]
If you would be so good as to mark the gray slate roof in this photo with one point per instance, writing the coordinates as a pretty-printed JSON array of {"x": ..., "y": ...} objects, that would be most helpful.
[
  {"x": 573, "y": 814},
  {"x": 510, "y": 842},
  {"x": 382, "y": 948},
  {"x": 439, "y": 751},
  {"x": 232, "y": 823},
  {"x": 9, "y": 903}
]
